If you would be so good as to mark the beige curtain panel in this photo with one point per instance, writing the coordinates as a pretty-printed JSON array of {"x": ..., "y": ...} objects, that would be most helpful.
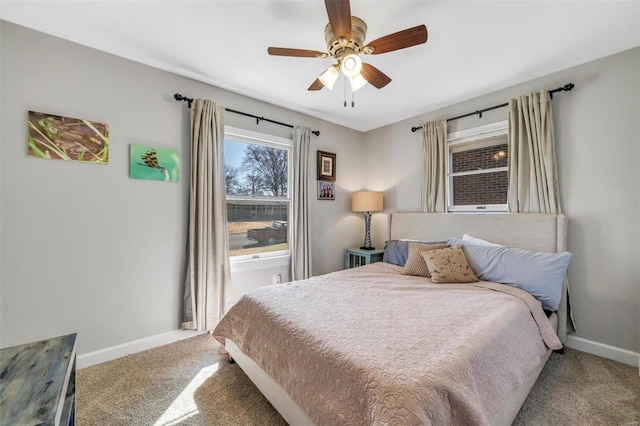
[
  {"x": 206, "y": 287},
  {"x": 434, "y": 157},
  {"x": 301, "y": 234},
  {"x": 533, "y": 174},
  {"x": 533, "y": 170}
]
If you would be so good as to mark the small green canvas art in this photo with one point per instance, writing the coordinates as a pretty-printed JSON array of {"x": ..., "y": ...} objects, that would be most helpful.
[{"x": 147, "y": 162}]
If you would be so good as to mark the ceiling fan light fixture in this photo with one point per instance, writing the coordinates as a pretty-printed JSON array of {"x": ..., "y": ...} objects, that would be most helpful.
[
  {"x": 351, "y": 65},
  {"x": 329, "y": 77},
  {"x": 357, "y": 82}
]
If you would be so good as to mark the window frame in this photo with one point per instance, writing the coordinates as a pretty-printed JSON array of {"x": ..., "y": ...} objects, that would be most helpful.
[
  {"x": 476, "y": 137},
  {"x": 251, "y": 261}
]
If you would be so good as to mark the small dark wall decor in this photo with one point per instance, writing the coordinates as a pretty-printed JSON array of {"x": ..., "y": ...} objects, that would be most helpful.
[
  {"x": 326, "y": 190},
  {"x": 64, "y": 138},
  {"x": 326, "y": 166}
]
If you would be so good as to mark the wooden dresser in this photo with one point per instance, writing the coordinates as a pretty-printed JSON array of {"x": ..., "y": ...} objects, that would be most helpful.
[{"x": 38, "y": 382}]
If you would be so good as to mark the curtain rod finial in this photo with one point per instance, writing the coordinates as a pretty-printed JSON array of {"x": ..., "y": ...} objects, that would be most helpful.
[{"x": 179, "y": 97}]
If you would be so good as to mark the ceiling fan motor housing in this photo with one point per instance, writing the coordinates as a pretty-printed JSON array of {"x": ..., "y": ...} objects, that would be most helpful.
[{"x": 339, "y": 47}]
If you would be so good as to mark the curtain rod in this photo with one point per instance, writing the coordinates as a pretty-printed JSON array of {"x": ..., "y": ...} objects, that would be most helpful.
[
  {"x": 565, "y": 88},
  {"x": 189, "y": 101}
]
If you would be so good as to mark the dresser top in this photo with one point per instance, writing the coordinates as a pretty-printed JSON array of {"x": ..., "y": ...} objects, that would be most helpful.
[{"x": 34, "y": 380}]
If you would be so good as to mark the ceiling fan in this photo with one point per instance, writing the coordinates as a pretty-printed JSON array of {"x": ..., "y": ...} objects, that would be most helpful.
[{"x": 345, "y": 36}]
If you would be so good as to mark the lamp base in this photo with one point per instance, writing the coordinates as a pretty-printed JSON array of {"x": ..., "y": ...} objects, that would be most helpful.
[{"x": 367, "y": 232}]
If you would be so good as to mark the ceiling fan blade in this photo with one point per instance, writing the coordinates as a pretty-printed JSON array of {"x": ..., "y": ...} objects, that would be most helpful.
[
  {"x": 316, "y": 85},
  {"x": 300, "y": 53},
  {"x": 374, "y": 76},
  {"x": 400, "y": 40},
  {"x": 339, "y": 13}
]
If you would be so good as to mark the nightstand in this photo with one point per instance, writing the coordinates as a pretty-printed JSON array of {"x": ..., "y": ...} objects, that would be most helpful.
[
  {"x": 354, "y": 257},
  {"x": 39, "y": 382}
]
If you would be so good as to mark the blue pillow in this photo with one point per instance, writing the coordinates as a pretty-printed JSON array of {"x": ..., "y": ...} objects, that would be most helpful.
[
  {"x": 397, "y": 251},
  {"x": 541, "y": 274}
]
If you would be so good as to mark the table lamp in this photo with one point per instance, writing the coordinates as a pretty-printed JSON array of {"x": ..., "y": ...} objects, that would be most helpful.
[{"x": 367, "y": 202}]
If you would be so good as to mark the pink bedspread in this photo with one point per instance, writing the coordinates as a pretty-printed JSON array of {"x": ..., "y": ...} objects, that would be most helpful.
[{"x": 370, "y": 346}]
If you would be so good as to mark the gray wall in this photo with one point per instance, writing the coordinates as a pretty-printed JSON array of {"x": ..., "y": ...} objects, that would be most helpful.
[
  {"x": 598, "y": 148},
  {"x": 86, "y": 249}
]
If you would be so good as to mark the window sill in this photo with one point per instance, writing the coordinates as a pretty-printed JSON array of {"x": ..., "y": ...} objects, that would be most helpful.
[
  {"x": 490, "y": 208},
  {"x": 260, "y": 263}
]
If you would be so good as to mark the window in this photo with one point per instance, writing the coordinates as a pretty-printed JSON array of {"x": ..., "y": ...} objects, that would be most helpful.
[
  {"x": 257, "y": 176},
  {"x": 477, "y": 169}
]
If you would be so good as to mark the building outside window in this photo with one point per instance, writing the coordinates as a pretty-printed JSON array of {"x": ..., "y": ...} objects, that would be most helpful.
[
  {"x": 477, "y": 169},
  {"x": 257, "y": 179}
]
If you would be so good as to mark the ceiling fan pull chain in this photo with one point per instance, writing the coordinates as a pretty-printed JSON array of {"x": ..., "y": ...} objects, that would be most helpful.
[
  {"x": 353, "y": 102},
  {"x": 344, "y": 90}
]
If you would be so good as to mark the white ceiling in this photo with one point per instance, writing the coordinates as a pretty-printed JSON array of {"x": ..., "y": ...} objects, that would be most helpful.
[{"x": 474, "y": 47}]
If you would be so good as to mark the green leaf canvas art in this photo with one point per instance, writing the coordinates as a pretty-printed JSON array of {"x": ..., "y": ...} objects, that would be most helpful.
[{"x": 63, "y": 138}]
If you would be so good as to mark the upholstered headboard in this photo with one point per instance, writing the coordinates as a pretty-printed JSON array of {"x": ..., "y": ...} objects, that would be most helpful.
[{"x": 529, "y": 231}]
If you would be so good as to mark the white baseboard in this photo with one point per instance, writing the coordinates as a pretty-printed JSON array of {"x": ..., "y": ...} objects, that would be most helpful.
[
  {"x": 600, "y": 349},
  {"x": 118, "y": 351}
]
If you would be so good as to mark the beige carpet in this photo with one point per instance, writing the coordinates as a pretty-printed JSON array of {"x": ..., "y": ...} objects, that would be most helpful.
[{"x": 189, "y": 383}]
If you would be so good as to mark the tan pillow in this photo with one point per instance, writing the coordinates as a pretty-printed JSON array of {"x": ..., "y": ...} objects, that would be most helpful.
[
  {"x": 415, "y": 264},
  {"x": 449, "y": 265}
]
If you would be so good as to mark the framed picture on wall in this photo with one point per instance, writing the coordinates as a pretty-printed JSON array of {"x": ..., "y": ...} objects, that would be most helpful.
[
  {"x": 326, "y": 190},
  {"x": 326, "y": 166}
]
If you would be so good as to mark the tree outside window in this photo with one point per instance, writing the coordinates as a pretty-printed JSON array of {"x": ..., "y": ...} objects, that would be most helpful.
[{"x": 258, "y": 203}]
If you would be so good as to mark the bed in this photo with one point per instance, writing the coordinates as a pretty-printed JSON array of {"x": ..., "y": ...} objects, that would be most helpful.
[{"x": 372, "y": 346}]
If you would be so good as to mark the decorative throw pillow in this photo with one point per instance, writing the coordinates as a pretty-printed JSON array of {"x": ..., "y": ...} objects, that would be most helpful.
[
  {"x": 415, "y": 264},
  {"x": 397, "y": 251},
  {"x": 449, "y": 265}
]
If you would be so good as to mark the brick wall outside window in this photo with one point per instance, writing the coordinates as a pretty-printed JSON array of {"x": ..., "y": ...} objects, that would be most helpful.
[
  {"x": 481, "y": 158},
  {"x": 483, "y": 188}
]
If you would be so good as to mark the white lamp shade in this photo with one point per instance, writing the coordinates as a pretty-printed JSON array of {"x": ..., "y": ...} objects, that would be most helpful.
[
  {"x": 367, "y": 201},
  {"x": 357, "y": 82},
  {"x": 329, "y": 77},
  {"x": 351, "y": 65}
]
